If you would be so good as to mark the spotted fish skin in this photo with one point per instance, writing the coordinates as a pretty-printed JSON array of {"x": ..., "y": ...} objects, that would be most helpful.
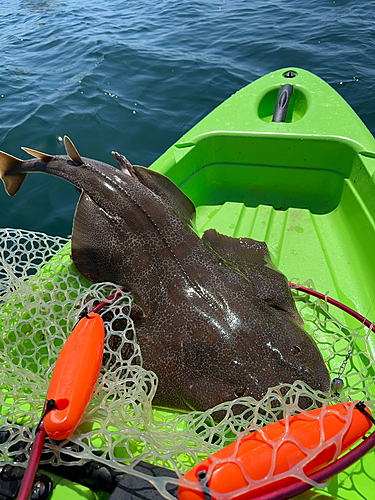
[{"x": 218, "y": 320}]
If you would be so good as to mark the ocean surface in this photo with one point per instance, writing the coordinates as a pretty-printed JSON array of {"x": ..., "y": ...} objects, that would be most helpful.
[{"x": 134, "y": 76}]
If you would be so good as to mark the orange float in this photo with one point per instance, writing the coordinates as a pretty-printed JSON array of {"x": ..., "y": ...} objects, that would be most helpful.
[
  {"x": 258, "y": 463},
  {"x": 75, "y": 376}
]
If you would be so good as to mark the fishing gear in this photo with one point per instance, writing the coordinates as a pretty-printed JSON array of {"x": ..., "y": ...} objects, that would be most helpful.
[
  {"x": 259, "y": 462},
  {"x": 59, "y": 399},
  {"x": 71, "y": 387},
  {"x": 324, "y": 474}
]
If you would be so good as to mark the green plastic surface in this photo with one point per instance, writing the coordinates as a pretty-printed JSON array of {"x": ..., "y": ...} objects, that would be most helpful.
[
  {"x": 68, "y": 490},
  {"x": 305, "y": 186}
]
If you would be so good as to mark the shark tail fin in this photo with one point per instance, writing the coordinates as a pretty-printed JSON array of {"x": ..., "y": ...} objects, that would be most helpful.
[{"x": 10, "y": 173}]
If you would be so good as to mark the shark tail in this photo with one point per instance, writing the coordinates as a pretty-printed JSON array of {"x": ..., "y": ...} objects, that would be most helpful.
[{"x": 10, "y": 173}]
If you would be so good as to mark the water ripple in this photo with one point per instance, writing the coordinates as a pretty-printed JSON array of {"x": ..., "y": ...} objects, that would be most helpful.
[{"x": 135, "y": 75}]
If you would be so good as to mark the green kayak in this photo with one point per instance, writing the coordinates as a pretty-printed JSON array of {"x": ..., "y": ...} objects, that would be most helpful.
[
  {"x": 305, "y": 186},
  {"x": 294, "y": 168}
]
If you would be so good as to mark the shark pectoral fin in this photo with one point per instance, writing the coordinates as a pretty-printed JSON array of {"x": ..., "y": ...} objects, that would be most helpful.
[
  {"x": 11, "y": 178},
  {"x": 252, "y": 258},
  {"x": 243, "y": 253},
  {"x": 72, "y": 152},
  {"x": 38, "y": 154},
  {"x": 168, "y": 191}
]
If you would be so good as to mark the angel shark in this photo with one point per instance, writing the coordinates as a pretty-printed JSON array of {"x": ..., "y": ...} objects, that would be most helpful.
[{"x": 214, "y": 318}]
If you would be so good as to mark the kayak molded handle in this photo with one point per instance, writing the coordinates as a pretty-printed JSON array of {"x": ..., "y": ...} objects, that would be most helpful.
[
  {"x": 74, "y": 377},
  {"x": 282, "y": 103}
]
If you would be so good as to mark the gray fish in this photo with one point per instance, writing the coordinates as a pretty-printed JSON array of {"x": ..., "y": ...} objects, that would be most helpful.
[{"x": 215, "y": 319}]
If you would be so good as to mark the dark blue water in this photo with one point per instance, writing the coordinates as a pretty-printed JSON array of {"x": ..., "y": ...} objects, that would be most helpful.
[{"x": 133, "y": 76}]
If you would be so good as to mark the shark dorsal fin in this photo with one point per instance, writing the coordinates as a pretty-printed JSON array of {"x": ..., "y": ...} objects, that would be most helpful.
[
  {"x": 8, "y": 167},
  {"x": 252, "y": 259},
  {"x": 38, "y": 154},
  {"x": 72, "y": 152}
]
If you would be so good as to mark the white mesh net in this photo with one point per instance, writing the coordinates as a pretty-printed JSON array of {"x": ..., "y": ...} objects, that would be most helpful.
[{"x": 41, "y": 297}]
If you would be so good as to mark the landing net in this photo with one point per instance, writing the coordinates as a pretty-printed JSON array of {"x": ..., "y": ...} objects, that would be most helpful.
[{"x": 41, "y": 298}]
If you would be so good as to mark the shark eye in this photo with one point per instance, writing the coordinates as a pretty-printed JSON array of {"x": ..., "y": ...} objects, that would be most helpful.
[
  {"x": 240, "y": 392},
  {"x": 295, "y": 350}
]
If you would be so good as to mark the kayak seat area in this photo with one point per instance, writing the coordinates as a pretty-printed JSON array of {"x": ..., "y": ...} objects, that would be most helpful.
[{"x": 277, "y": 171}]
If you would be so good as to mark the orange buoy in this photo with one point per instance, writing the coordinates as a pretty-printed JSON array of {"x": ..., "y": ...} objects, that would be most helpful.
[
  {"x": 75, "y": 376},
  {"x": 258, "y": 463}
]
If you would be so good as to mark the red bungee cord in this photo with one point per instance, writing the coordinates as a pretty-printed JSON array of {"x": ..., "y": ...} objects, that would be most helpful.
[{"x": 336, "y": 303}]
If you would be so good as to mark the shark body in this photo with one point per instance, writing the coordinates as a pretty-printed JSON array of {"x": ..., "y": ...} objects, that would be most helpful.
[{"x": 216, "y": 319}]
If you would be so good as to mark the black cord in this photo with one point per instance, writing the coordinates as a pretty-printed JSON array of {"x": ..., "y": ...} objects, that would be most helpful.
[
  {"x": 50, "y": 405},
  {"x": 362, "y": 408},
  {"x": 202, "y": 476}
]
